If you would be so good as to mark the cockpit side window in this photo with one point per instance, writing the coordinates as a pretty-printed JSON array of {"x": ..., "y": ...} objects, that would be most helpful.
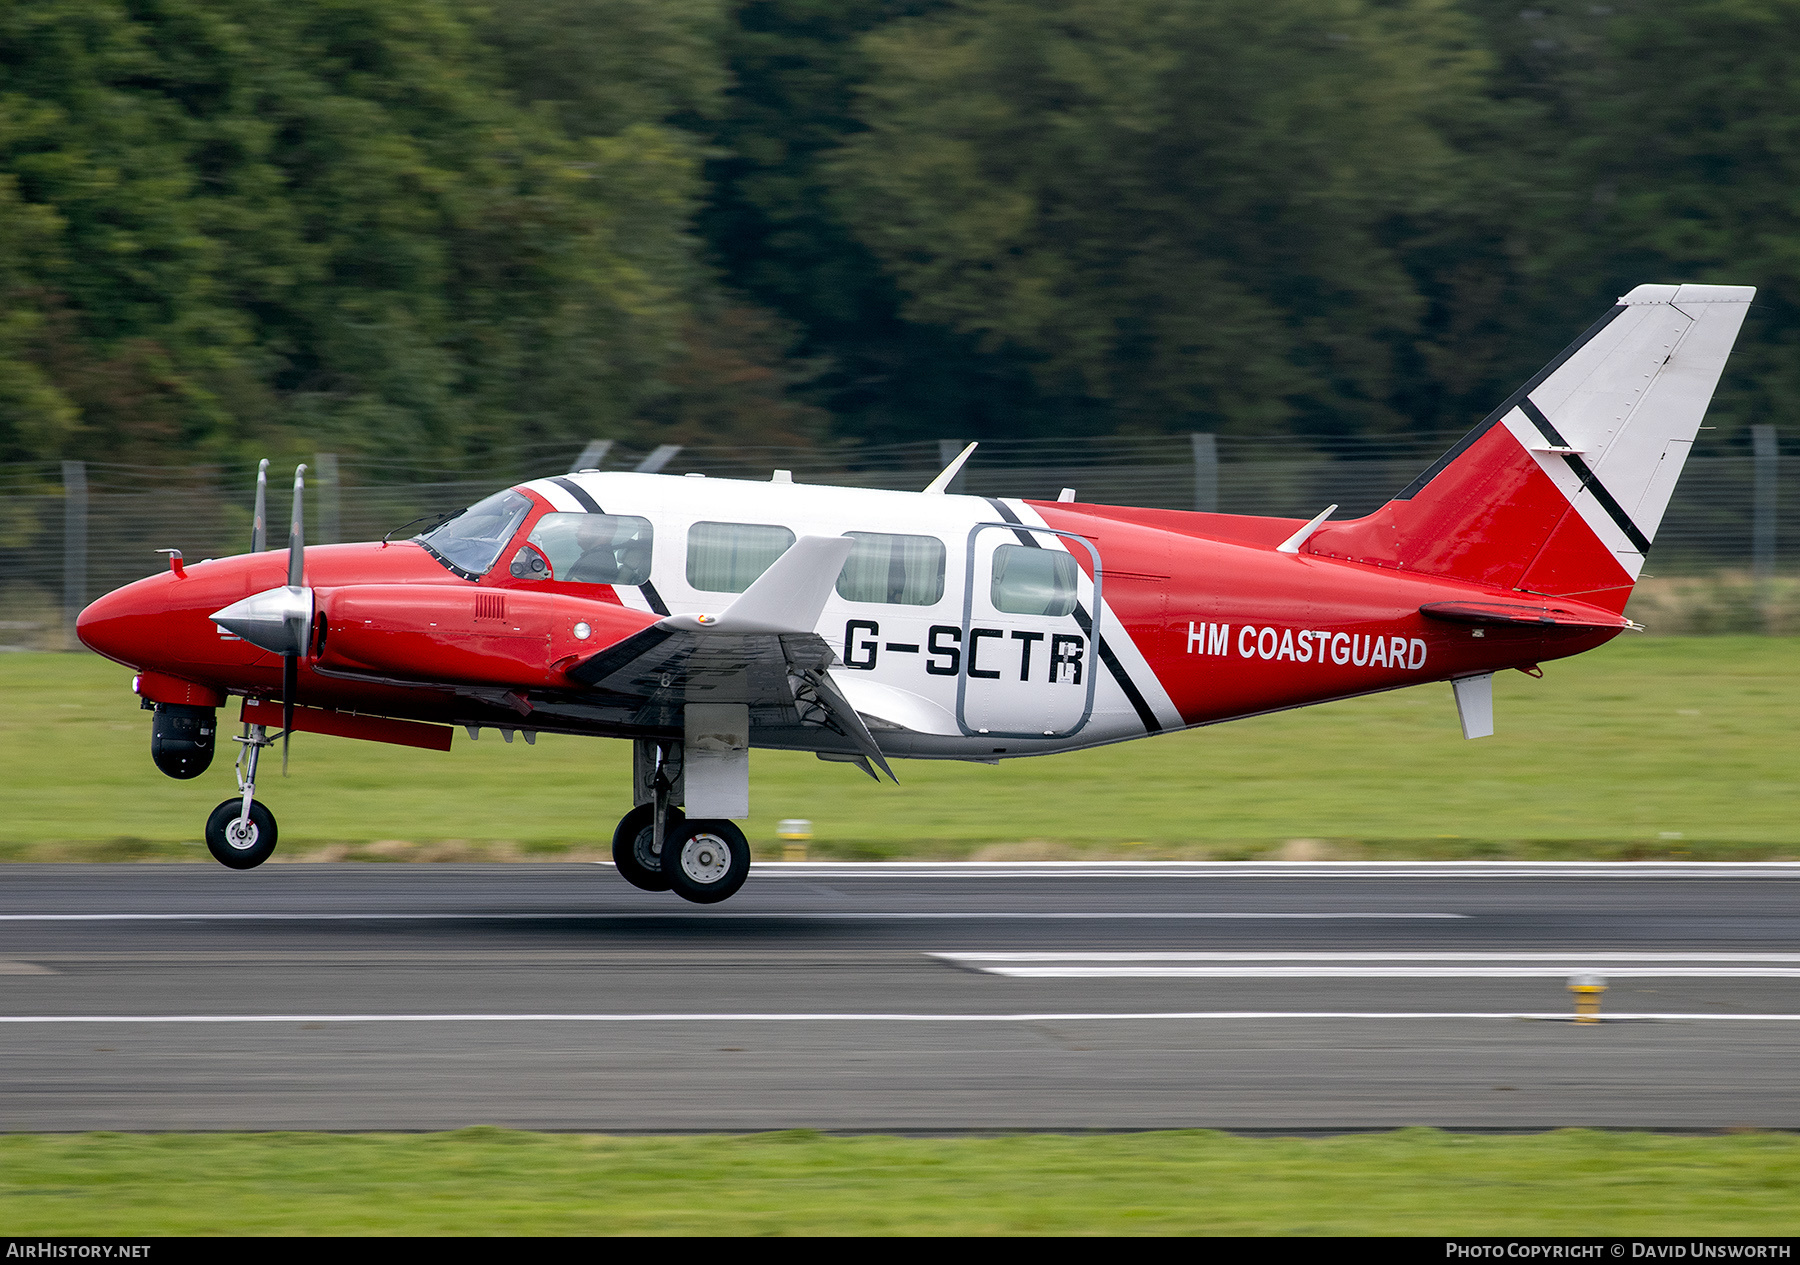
[
  {"x": 470, "y": 543},
  {"x": 595, "y": 548}
]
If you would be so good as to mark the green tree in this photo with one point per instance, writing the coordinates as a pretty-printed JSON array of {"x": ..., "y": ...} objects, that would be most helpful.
[
  {"x": 38, "y": 416},
  {"x": 774, "y": 223},
  {"x": 1186, "y": 212},
  {"x": 596, "y": 66},
  {"x": 1680, "y": 162},
  {"x": 323, "y": 221}
]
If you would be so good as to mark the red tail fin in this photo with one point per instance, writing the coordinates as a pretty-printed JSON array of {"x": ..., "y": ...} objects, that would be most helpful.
[{"x": 1560, "y": 490}]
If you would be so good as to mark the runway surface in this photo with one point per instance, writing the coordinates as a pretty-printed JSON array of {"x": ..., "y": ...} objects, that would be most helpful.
[{"x": 919, "y": 998}]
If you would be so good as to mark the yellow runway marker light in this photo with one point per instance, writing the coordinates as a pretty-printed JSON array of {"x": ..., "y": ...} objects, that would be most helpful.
[
  {"x": 1587, "y": 988},
  {"x": 794, "y": 833}
]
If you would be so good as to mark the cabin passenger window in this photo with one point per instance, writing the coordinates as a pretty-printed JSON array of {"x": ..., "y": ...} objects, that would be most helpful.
[
  {"x": 595, "y": 548},
  {"x": 905, "y": 570},
  {"x": 469, "y": 543},
  {"x": 1033, "y": 581},
  {"x": 727, "y": 557}
]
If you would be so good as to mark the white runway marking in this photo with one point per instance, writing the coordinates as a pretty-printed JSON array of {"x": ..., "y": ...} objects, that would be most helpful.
[
  {"x": 708, "y": 914},
  {"x": 1202, "y": 965},
  {"x": 1275, "y": 869},
  {"x": 1048, "y": 1016}
]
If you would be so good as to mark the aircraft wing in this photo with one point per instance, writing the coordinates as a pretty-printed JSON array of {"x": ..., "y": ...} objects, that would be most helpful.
[
  {"x": 760, "y": 651},
  {"x": 746, "y": 668}
]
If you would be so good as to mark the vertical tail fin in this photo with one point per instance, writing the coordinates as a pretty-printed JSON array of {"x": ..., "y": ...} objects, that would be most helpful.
[{"x": 1560, "y": 490}]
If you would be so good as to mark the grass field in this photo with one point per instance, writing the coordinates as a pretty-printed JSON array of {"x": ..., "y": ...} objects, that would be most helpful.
[
  {"x": 491, "y": 1181},
  {"x": 1648, "y": 747}
]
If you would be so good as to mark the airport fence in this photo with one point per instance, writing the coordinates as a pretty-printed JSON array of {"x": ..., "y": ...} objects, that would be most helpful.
[{"x": 71, "y": 531}]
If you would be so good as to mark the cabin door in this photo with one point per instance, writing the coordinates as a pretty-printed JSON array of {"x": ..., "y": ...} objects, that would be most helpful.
[{"x": 1028, "y": 656}]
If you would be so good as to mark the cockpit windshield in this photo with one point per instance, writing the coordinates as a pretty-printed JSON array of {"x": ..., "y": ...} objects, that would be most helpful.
[{"x": 470, "y": 543}]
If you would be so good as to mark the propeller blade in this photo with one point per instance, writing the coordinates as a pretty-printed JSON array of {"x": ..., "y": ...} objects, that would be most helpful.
[
  {"x": 297, "y": 533},
  {"x": 290, "y": 684},
  {"x": 259, "y": 525}
]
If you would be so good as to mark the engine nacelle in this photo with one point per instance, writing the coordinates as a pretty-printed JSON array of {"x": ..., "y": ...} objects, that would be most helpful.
[
  {"x": 441, "y": 632},
  {"x": 181, "y": 738}
]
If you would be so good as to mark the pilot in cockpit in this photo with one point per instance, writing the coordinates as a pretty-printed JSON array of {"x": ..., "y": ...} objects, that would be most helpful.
[
  {"x": 634, "y": 561},
  {"x": 599, "y": 561}
]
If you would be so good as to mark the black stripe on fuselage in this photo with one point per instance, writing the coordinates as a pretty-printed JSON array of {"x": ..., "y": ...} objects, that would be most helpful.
[
  {"x": 1585, "y": 473},
  {"x": 1512, "y": 402},
  {"x": 651, "y": 597},
  {"x": 575, "y": 490},
  {"x": 1132, "y": 694},
  {"x": 1006, "y": 511}
]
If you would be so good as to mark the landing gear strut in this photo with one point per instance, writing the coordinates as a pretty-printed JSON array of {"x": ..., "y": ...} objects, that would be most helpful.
[{"x": 241, "y": 832}]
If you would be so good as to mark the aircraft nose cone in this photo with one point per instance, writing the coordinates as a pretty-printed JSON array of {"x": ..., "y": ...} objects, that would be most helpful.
[
  {"x": 112, "y": 626},
  {"x": 278, "y": 620}
]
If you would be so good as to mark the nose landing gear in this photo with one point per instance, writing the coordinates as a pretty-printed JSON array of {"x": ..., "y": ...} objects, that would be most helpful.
[
  {"x": 241, "y": 832},
  {"x": 239, "y": 839}
]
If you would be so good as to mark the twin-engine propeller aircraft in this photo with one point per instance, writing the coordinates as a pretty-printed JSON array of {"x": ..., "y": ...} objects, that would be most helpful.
[{"x": 701, "y": 617}]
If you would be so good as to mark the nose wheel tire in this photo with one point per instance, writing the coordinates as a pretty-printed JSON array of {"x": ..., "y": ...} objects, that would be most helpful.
[
  {"x": 240, "y": 844},
  {"x": 705, "y": 860},
  {"x": 634, "y": 847}
]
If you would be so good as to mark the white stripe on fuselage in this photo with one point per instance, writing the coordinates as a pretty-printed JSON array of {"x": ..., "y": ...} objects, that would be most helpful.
[
  {"x": 553, "y": 492},
  {"x": 1119, "y": 640}
]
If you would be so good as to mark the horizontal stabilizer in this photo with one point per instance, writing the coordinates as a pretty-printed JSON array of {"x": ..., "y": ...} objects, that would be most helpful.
[{"x": 1535, "y": 614}]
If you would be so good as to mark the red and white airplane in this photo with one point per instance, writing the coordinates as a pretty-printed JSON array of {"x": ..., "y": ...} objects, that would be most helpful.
[{"x": 702, "y": 617}]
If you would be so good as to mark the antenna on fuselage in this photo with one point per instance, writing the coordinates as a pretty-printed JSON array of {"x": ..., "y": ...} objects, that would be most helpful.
[
  {"x": 936, "y": 486},
  {"x": 259, "y": 522},
  {"x": 1292, "y": 543}
]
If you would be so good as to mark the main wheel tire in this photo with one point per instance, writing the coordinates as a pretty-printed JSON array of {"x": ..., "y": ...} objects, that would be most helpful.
[
  {"x": 240, "y": 849},
  {"x": 706, "y": 861},
  {"x": 634, "y": 851}
]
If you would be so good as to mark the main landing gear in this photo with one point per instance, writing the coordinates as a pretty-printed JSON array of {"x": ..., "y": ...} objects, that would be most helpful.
[
  {"x": 704, "y": 860},
  {"x": 656, "y": 847},
  {"x": 241, "y": 832}
]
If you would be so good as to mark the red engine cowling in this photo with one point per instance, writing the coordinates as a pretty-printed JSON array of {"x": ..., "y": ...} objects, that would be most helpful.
[{"x": 462, "y": 633}]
